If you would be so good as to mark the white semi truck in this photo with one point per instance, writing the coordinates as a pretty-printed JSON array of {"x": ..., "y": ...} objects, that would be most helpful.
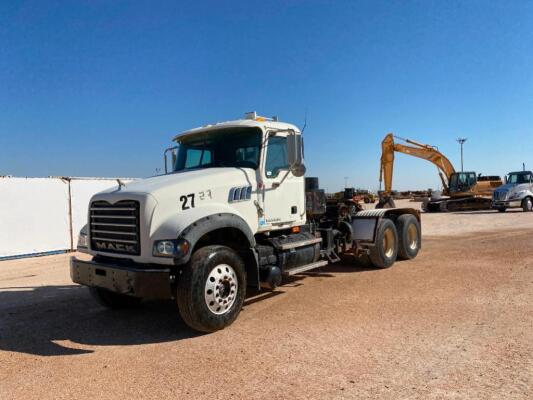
[
  {"x": 517, "y": 192},
  {"x": 234, "y": 211}
]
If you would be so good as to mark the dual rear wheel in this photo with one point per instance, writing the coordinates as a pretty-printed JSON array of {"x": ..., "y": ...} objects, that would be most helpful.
[{"x": 400, "y": 240}]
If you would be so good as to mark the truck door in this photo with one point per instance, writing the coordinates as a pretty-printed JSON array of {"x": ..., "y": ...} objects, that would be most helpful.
[{"x": 283, "y": 193}]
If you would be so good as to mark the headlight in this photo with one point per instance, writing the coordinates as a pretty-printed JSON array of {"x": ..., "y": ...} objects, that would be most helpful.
[
  {"x": 170, "y": 248},
  {"x": 82, "y": 240}
]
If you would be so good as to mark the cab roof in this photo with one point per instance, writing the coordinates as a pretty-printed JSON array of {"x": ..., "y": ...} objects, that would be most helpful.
[{"x": 251, "y": 120}]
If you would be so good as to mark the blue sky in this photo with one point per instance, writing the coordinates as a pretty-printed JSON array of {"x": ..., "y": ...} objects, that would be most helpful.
[{"x": 98, "y": 88}]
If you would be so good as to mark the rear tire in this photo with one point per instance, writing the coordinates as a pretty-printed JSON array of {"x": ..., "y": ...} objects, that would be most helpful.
[
  {"x": 212, "y": 288},
  {"x": 501, "y": 209},
  {"x": 527, "y": 204},
  {"x": 409, "y": 236},
  {"x": 114, "y": 300},
  {"x": 385, "y": 251}
]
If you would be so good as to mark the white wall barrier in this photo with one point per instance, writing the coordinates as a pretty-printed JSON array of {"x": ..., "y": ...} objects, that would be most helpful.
[{"x": 39, "y": 215}]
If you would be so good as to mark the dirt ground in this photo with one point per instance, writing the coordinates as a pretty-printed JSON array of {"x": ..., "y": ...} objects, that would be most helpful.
[{"x": 455, "y": 323}]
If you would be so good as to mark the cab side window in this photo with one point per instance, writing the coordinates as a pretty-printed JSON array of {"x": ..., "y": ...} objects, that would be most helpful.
[{"x": 276, "y": 158}]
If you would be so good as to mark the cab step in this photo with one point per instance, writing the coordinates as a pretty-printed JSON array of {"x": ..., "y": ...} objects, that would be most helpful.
[{"x": 306, "y": 267}]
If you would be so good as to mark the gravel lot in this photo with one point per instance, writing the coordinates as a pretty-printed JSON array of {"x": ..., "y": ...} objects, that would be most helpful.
[{"x": 456, "y": 323}]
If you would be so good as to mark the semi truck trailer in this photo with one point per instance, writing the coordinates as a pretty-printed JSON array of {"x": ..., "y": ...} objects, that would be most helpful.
[{"x": 234, "y": 210}]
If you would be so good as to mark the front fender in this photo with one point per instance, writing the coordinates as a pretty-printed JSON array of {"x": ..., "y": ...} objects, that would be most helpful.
[{"x": 171, "y": 225}]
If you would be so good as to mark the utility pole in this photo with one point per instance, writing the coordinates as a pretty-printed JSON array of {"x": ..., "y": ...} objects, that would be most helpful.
[{"x": 461, "y": 141}]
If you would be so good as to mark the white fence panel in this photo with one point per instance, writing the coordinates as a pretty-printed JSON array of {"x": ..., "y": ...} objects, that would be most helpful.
[{"x": 33, "y": 215}]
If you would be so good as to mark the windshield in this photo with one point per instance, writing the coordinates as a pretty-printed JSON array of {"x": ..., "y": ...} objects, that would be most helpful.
[
  {"x": 517, "y": 178},
  {"x": 235, "y": 147}
]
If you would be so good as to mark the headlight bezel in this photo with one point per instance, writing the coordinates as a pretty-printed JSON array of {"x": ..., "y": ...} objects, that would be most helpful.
[{"x": 170, "y": 248}]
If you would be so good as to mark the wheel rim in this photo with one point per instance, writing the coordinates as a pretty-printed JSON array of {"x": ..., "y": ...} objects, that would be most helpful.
[
  {"x": 221, "y": 289},
  {"x": 528, "y": 204},
  {"x": 388, "y": 243},
  {"x": 412, "y": 237}
]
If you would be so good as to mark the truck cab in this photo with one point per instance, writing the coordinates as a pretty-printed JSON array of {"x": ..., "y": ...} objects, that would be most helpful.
[
  {"x": 517, "y": 192},
  {"x": 233, "y": 210}
]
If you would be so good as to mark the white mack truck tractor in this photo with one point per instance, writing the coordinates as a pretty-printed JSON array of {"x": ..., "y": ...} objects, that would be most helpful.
[{"x": 234, "y": 211}]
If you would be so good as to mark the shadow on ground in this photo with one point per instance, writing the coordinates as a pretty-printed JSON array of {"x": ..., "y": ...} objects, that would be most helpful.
[{"x": 34, "y": 320}]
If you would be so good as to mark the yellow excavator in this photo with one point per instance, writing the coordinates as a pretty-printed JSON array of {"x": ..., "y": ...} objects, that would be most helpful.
[{"x": 464, "y": 191}]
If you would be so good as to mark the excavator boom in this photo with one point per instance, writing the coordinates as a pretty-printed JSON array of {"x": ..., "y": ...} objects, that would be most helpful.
[{"x": 424, "y": 151}]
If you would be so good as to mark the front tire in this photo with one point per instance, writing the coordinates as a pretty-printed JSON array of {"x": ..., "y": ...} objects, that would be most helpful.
[
  {"x": 409, "y": 236},
  {"x": 212, "y": 288},
  {"x": 527, "y": 204},
  {"x": 501, "y": 209},
  {"x": 385, "y": 251}
]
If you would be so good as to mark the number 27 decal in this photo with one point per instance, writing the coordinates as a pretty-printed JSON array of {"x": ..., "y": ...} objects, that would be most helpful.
[{"x": 185, "y": 200}]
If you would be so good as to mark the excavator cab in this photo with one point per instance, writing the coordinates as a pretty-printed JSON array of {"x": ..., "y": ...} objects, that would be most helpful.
[{"x": 461, "y": 182}]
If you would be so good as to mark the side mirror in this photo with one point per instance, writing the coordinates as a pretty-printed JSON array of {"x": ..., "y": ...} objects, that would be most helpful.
[
  {"x": 173, "y": 151},
  {"x": 295, "y": 154}
]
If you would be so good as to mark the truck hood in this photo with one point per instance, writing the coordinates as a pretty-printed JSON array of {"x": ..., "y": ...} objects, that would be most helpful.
[
  {"x": 187, "y": 181},
  {"x": 508, "y": 187},
  {"x": 170, "y": 203}
]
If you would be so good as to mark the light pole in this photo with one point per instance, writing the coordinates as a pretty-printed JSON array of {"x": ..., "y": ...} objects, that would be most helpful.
[
  {"x": 461, "y": 142},
  {"x": 345, "y": 182}
]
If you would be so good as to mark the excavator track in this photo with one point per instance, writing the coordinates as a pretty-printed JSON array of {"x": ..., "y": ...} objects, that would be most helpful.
[{"x": 455, "y": 205}]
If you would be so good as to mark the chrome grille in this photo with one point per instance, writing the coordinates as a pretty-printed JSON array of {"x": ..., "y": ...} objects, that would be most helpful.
[
  {"x": 114, "y": 228},
  {"x": 500, "y": 195}
]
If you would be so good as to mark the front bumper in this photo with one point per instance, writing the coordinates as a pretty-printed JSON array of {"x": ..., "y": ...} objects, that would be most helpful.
[
  {"x": 147, "y": 283},
  {"x": 506, "y": 203}
]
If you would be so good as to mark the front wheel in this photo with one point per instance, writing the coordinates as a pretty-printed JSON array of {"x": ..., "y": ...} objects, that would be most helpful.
[
  {"x": 501, "y": 209},
  {"x": 212, "y": 288},
  {"x": 527, "y": 204},
  {"x": 385, "y": 250}
]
